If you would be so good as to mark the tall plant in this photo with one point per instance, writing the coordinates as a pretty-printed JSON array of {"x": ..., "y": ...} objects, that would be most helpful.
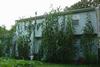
[
  {"x": 23, "y": 47},
  {"x": 49, "y": 37},
  {"x": 4, "y": 39},
  {"x": 56, "y": 42},
  {"x": 1, "y": 49},
  {"x": 70, "y": 38},
  {"x": 87, "y": 42}
]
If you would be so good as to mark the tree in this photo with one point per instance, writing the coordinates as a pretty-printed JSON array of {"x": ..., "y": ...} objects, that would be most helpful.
[
  {"x": 9, "y": 42},
  {"x": 87, "y": 42},
  {"x": 11, "y": 34},
  {"x": 23, "y": 47},
  {"x": 1, "y": 49},
  {"x": 70, "y": 38},
  {"x": 1, "y": 40},
  {"x": 57, "y": 43},
  {"x": 85, "y": 4},
  {"x": 49, "y": 37},
  {"x": 4, "y": 38}
]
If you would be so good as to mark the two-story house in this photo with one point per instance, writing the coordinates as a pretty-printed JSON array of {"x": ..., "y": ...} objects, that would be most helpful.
[{"x": 79, "y": 16}]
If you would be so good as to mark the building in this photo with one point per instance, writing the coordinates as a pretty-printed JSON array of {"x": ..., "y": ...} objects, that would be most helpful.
[{"x": 28, "y": 26}]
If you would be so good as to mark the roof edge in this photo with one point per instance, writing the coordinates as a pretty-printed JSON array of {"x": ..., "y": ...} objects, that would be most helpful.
[{"x": 61, "y": 13}]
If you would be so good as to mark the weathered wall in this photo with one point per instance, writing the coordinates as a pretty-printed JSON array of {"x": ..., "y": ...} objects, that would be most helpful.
[{"x": 82, "y": 17}]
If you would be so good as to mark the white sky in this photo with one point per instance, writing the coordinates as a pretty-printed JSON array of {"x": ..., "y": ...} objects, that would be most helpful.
[{"x": 11, "y": 10}]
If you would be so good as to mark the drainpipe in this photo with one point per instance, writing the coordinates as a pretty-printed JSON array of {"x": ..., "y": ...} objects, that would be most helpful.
[{"x": 98, "y": 29}]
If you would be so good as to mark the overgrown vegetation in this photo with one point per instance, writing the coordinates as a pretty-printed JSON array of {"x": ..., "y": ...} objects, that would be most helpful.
[
  {"x": 85, "y": 4},
  {"x": 88, "y": 41},
  {"x": 57, "y": 42},
  {"x": 23, "y": 63},
  {"x": 6, "y": 41},
  {"x": 23, "y": 48}
]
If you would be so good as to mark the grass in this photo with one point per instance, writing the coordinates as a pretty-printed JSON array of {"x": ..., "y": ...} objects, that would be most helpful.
[{"x": 23, "y": 63}]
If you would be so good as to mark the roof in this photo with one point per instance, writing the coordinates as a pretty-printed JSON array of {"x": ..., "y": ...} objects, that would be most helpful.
[{"x": 61, "y": 13}]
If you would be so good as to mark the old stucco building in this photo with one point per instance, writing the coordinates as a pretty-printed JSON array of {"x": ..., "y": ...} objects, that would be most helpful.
[{"x": 79, "y": 16}]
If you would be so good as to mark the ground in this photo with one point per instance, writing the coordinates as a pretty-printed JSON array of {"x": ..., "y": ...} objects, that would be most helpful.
[{"x": 24, "y": 63}]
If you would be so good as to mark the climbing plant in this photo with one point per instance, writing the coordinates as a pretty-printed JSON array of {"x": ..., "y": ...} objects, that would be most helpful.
[
  {"x": 49, "y": 37},
  {"x": 57, "y": 40},
  {"x": 88, "y": 41},
  {"x": 23, "y": 47}
]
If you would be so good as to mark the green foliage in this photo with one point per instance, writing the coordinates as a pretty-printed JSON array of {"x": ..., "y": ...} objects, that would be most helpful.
[
  {"x": 85, "y": 4},
  {"x": 99, "y": 55},
  {"x": 23, "y": 47},
  {"x": 23, "y": 63},
  {"x": 70, "y": 30},
  {"x": 1, "y": 50},
  {"x": 6, "y": 41},
  {"x": 70, "y": 38},
  {"x": 66, "y": 50},
  {"x": 87, "y": 41},
  {"x": 57, "y": 44},
  {"x": 49, "y": 40}
]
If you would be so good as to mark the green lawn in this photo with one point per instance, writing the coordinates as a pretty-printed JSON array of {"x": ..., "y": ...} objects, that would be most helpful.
[{"x": 23, "y": 63}]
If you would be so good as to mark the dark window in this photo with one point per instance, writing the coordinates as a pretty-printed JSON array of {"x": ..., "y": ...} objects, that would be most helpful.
[
  {"x": 18, "y": 27},
  {"x": 25, "y": 27},
  {"x": 89, "y": 21},
  {"x": 75, "y": 22}
]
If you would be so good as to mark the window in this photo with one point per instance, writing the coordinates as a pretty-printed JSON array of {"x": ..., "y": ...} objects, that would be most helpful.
[
  {"x": 75, "y": 22},
  {"x": 89, "y": 21},
  {"x": 25, "y": 27}
]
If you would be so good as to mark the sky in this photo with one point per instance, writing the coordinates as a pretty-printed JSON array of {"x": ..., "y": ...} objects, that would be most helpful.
[{"x": 11, "y": 10}]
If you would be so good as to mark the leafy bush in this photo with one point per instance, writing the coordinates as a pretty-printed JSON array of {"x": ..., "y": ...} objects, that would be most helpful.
[
  {"x": 87, "y": 41},
  {"x": 57, "y": 44},
  {"x": 23, "y": 48}
]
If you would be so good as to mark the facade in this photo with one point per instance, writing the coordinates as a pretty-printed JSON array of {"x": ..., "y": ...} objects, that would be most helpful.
[{"x": 28, "y": 27}]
